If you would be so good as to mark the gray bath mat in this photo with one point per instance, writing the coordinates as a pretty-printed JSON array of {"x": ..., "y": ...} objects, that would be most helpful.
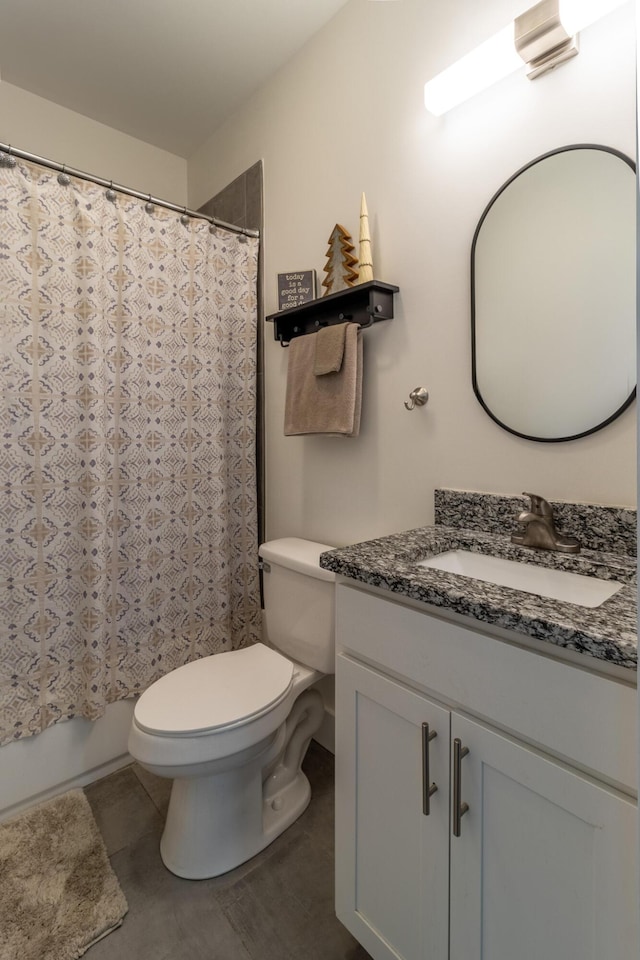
[{"x": 58, "y": 893}]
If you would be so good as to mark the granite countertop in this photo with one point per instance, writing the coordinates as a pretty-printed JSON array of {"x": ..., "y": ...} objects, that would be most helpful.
[{"x": 607, "y": 632}]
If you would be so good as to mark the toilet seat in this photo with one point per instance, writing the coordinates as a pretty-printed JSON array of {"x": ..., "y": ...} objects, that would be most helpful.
[{"x": 215, "y": 693}]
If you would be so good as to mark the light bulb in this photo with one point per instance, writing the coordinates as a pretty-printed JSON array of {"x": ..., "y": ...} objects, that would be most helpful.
[
  {"x": 491, "y": 61},
  {"x": 578, "y": 14}
]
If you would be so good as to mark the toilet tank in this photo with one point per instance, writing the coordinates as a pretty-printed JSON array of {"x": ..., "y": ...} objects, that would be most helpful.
[{"x": 299, "y": 602}]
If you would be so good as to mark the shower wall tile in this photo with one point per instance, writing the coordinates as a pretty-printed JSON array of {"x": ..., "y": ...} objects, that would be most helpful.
[
  {"x": 230, "y": 203},
  {"x": 207, "y": 208},
  {"x": 241, "y": 203},
  {"x": 253, "y": 198}
]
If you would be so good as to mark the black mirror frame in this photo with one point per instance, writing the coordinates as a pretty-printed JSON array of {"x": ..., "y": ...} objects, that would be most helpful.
[{"x": 474, "y": 380}]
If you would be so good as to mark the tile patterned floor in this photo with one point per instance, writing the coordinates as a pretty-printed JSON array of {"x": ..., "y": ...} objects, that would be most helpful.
[{"x": 278, "y": 906}]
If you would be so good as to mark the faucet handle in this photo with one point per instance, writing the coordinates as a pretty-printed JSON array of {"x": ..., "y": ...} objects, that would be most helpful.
[{"x": 539, "y": 505}]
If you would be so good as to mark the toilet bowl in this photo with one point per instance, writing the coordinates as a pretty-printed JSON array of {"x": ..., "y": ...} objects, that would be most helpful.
[{"x": 232, "y": 729}]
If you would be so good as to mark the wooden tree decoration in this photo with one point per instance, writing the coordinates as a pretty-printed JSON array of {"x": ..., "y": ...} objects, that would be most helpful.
[
  {"x": 365, "y": 271},
  {"x": 339, "y": 270}
]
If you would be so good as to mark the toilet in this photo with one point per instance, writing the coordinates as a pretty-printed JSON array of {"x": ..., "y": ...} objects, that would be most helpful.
[{"x": 231, "y": 730}]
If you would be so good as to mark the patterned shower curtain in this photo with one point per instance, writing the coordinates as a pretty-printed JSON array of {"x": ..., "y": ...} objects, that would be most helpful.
[{"x": 128, "y": 530}]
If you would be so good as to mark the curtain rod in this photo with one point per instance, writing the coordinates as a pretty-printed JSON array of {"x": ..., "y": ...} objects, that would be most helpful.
[{"x": 10, "y": 151}]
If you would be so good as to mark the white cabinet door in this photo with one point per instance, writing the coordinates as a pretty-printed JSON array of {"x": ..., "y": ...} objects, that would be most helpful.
[
  {"x": 392, "y": 860},
  {"x": 544, "y": 868}
]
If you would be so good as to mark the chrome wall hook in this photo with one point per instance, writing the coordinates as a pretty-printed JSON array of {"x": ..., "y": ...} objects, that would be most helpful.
[{"x": 417, "y": 398}]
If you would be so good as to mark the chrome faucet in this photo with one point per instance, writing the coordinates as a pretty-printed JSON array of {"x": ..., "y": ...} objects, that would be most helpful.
[{"x": 540, "y": 529}]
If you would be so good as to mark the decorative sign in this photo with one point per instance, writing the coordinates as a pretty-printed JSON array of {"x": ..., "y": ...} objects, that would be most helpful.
[{"x": 296, "y": 288}]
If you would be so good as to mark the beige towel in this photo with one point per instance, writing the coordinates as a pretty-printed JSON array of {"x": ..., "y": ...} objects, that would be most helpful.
[
  {"x": 329, "y": 404},
  {"x": 329, "y": 349}
]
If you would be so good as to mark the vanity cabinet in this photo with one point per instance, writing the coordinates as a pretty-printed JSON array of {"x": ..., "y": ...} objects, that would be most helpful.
[
  {"x": 545, "y": 862},
  {"x": 392, "y": 861}
]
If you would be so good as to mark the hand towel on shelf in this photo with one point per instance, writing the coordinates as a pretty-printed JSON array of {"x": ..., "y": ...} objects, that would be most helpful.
[
  {"x": 329, "y": 404},
  {"x": 329, "y": 350}
]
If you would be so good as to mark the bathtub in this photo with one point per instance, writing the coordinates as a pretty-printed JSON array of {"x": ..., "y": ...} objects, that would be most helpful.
[{"x": 69, "y": 754}]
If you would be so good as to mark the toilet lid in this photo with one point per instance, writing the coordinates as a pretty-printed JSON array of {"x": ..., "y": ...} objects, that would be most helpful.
[{"x": 223, "y": 690}]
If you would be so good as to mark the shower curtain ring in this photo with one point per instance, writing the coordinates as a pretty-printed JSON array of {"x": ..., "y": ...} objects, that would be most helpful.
[
  {"x": 184, "y": 219},
  {"x": 63, "y": 177},
  {"x": 8, "y": 160},
  {"x": 149, "y": 205},
  {"x": 111, "y": 194}
]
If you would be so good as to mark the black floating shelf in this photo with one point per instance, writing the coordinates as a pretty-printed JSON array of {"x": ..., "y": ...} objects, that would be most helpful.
[{"x": 366, "y": 303}]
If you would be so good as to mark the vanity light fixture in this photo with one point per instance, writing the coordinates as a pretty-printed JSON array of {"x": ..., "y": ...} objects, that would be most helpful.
[{"x": 543, "y": 37}]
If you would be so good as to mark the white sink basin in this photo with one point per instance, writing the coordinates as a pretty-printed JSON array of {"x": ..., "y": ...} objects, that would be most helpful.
[{"x": 542, "y": 581}]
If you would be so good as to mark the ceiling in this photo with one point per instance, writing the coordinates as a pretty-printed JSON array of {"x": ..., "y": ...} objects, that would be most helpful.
[{"x": 166, "y": 71}]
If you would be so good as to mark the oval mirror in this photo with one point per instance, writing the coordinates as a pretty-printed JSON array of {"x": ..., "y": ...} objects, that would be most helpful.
[{"x": 553, "y": 310}]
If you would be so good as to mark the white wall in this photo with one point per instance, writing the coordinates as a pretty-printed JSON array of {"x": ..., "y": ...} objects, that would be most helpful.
[
  {"x": 47, "y": 130},
  {"x": 345, "y": 116}
]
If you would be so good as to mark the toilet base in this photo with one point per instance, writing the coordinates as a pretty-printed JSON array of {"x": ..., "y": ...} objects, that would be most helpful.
[
  {"x": 216, "y": 822},
  {"x": 219, "y": 853},
  {"x": 280, "y": 812}
]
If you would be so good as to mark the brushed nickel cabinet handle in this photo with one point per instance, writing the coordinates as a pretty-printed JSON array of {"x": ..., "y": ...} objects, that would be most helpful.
[
  {"x": 428, "y": 788},
  {"x": 459, "y": 808}
]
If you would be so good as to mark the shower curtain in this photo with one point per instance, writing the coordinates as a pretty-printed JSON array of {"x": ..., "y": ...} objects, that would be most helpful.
[{"x": 128, "y": 531}]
